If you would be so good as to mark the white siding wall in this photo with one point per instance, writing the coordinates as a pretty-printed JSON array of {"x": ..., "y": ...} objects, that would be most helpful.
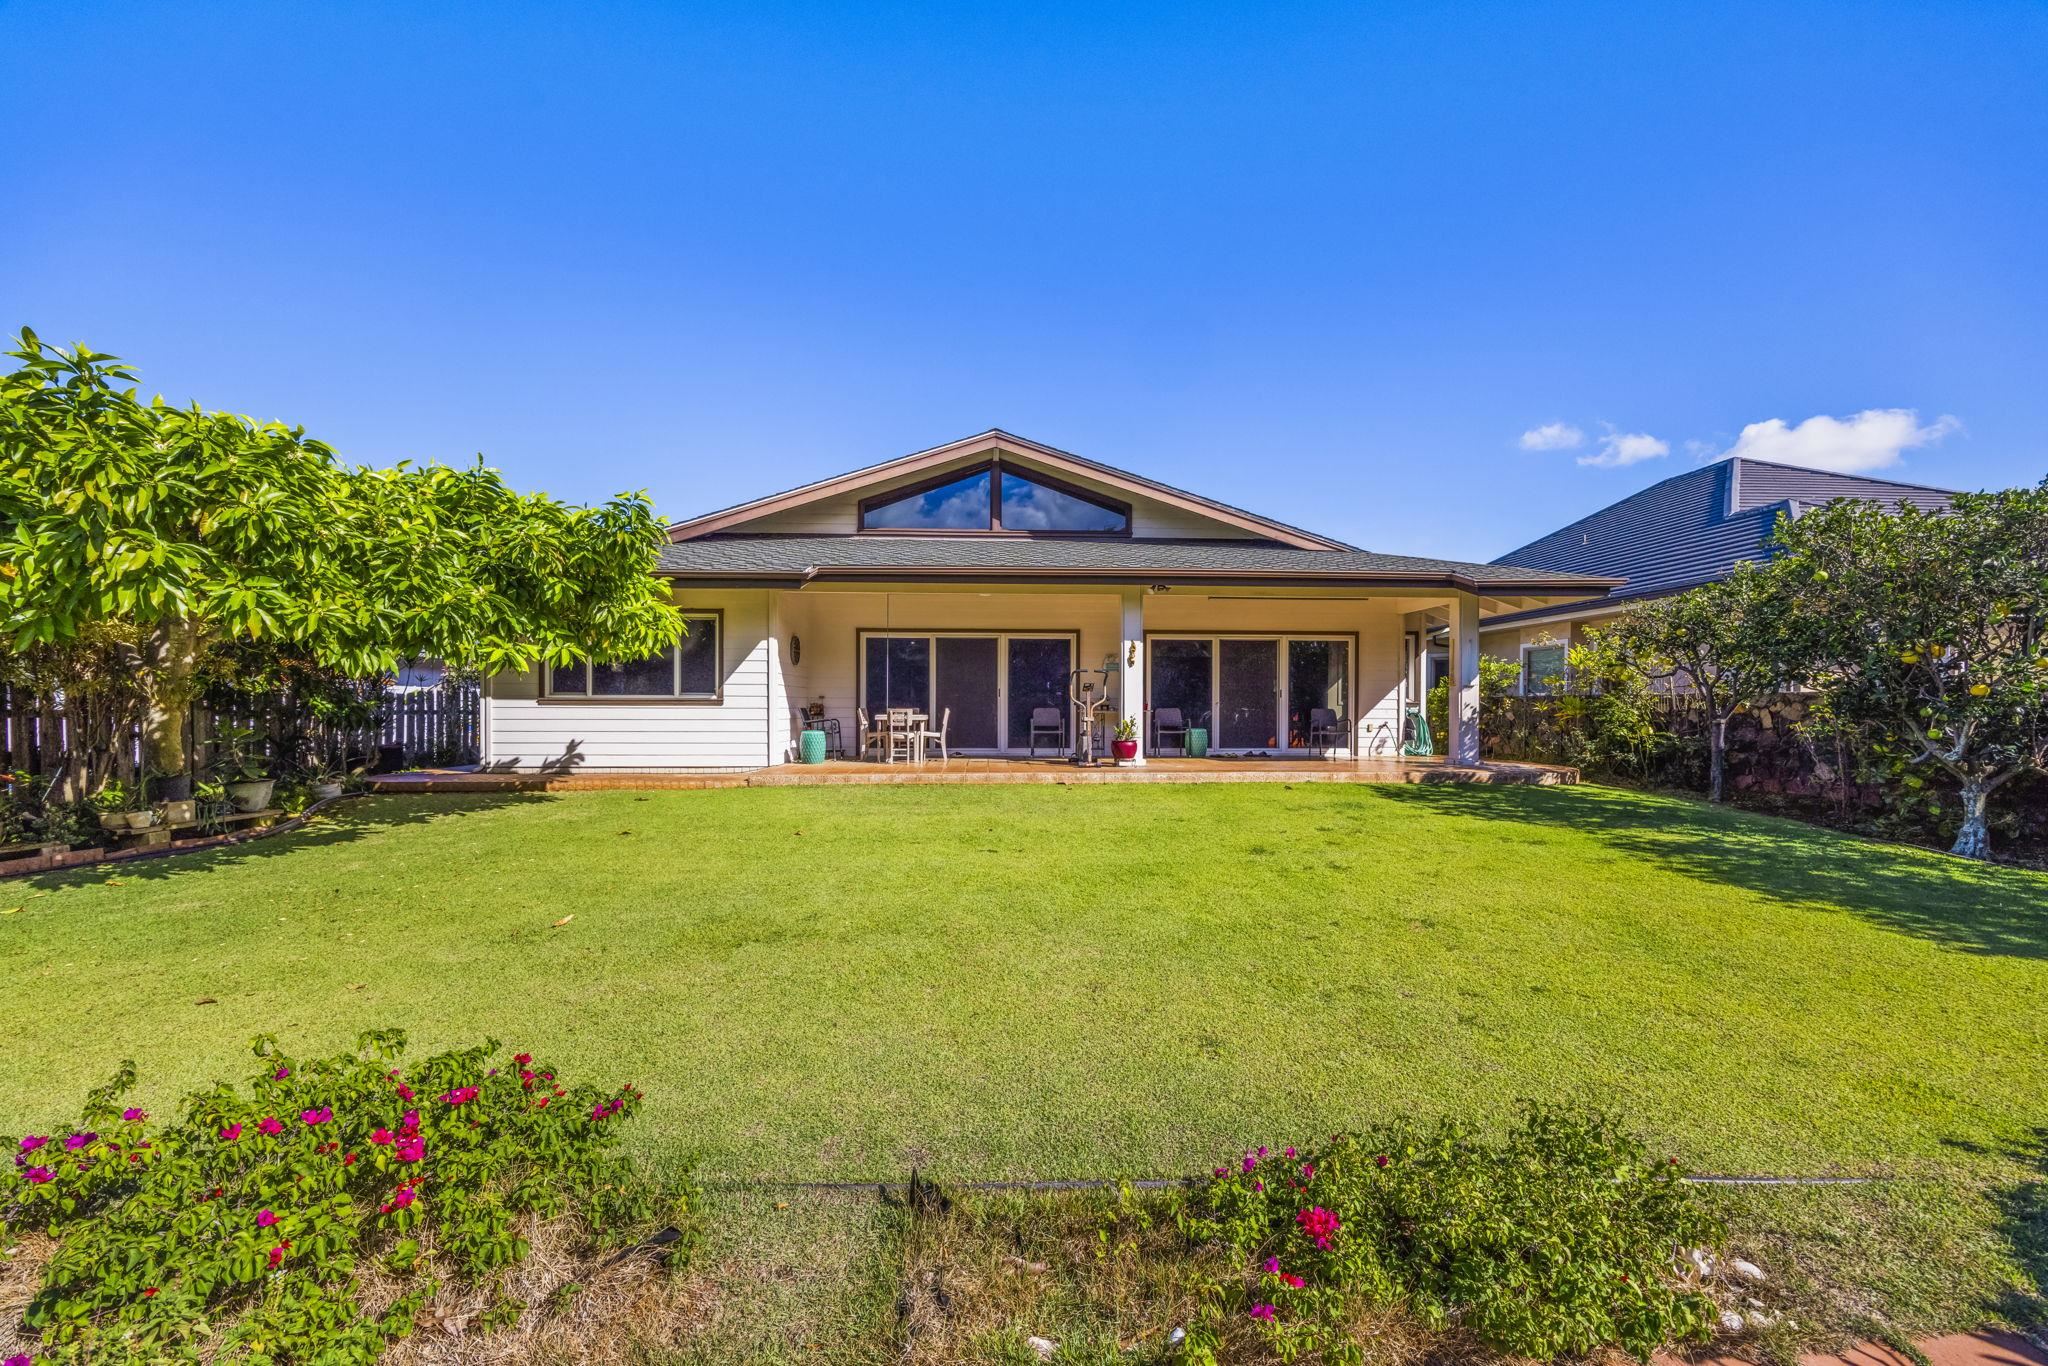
[{"x": 528, "y": 732}]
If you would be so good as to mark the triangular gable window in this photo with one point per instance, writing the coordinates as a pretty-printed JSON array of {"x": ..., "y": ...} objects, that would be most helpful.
[{"x": 995, "y": 498}]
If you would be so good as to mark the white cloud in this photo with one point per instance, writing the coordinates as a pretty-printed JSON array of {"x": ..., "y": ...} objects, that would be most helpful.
[
  {"x": 1625, "y": 448},
  {"x": 1553, "y": 436},
  {"x": 1870, "y": 440}
]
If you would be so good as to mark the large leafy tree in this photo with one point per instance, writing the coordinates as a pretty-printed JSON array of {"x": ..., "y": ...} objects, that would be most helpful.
[
  {"x": 1930, "y": 631},
  {"x": 193, "y": 529},
  {"x": 1719, "y": 643}
]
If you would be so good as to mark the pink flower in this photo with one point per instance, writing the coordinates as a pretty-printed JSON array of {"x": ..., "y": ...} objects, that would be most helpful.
[
  {"x": 412, "y": 1149},
  {"x": 348, "y": 1159},
  {"x": 18, "y": 1360},
  {"x": 1219, "y": 1173},
  {"x": 270, "y": 1126},
  {"x": 1382, "y": 1159},
  {"x": 32, "y": 1142},
  {"x": 1272, "y": 1266},
  {"x": 1318, "y": 1225},
  {"x": 400, "y": 1199},
  {"x": 264, "y": 1218},
  {"x": 77, "y": 1141},
  {"x": 1264, "y": 1313},
  {"x": 410, "y": 1120},
  {"x": 381, "y": 1137},
  {"x": 1262, "y": 1150},
  {"x": 277, "y": 1253},
  {"x": 280, "y": 1074},
  {"x": 523, "y": 1059},
  {"x": 133, "y": 1115},
  {"x": 1290, "y": 1150},
  {"x": 1308, "y": 1171},
  {"x": 319, "y": 1116},
  {"x": 1258, "y": 1186},
  {"x": 231, "y": 1133},
  {"x": 1250, "y": 1162},
  {"x": 461, "y": 1095},
  {"x": 404, "y": 1091},
  {"x": 1292, "y": 1280},
  {"x": 36, "y": 1176}
]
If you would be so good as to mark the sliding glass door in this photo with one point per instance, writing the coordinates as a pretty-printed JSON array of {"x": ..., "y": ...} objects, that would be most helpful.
[
  {"x": 1255, "y": 693},
  {"x": 1248, "y": 700},
  {"x": 968, "y": 690},
  {"x": 989, "y": 681}
]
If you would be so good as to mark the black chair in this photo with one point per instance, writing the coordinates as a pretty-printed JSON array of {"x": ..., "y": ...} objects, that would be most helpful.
[
  {"x": 1169, "y": 721},
  {"x": 1326, "y": 729}
]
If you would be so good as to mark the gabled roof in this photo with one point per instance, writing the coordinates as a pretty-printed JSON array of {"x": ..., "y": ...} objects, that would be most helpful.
[
  {"x": 797, "y": 560},
  {"x": 876, "y": 476},
  {"x": 1694, "y": 528}
]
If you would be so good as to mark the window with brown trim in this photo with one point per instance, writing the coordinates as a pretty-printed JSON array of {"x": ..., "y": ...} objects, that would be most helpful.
[
  {"x": 995, "y": 498},
  {"x": 689, "y": 671}
]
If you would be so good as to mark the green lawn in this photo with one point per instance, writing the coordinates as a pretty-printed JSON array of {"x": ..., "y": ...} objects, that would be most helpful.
[{"x": 1091, "y": 980}]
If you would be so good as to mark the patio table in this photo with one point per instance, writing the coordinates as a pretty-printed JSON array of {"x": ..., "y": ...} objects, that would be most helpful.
[{"x": 905, "y": 724}]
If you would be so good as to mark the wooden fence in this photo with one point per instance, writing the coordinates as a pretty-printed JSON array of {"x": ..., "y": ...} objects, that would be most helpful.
[{"x": 437, "y": 725}]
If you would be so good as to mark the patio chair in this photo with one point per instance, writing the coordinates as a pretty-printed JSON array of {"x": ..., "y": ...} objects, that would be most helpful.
[
  {"x": 927, "y": 735},
  {"x": 1326, "y": 729},
  {"x": 872, "y": 740},
  {"x": 900, "y": 735},
  {"x": 1169, "y": 721},
  {"x": 1048, "y": 721}
]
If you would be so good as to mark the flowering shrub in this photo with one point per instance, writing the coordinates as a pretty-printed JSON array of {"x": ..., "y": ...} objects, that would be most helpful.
[
  {"x": 1558, "y": 1240},
  {"x": 241, "y": 1226}
]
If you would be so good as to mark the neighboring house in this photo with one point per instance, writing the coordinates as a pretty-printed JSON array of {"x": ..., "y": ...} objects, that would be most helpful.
[
  {"x": 974, "y": 579},
  {"x": 1690, "y": 529}
]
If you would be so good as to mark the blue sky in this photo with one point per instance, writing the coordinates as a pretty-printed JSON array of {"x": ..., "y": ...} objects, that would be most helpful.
[{"x": 1332, "y": 263}]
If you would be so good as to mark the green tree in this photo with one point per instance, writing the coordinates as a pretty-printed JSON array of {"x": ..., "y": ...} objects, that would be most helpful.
[
  {"x": 1721, "y": 643},
  {"x": 198, "y": 528},
  {"x": 1930, "y": 630}
]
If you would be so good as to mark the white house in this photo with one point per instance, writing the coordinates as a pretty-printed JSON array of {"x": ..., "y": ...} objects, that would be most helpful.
[{"x": 971, "y": 580}]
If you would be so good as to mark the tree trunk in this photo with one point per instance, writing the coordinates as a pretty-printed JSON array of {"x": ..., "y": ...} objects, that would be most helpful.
[
  {"x": 1974, "y": 839},
  {"x": 170, "y": 675},
  {"x": 1717, "y": 758}
]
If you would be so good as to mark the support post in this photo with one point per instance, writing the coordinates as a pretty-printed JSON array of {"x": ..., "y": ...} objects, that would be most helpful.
[
  {"x": 1131, "y": 693},
  {"x": 1464, "y": 709}
]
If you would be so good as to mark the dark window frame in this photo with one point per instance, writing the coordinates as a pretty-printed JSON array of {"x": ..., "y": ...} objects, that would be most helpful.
[
  {"x": 715, "y": 698},
  {"x": 995, "y": 527}
]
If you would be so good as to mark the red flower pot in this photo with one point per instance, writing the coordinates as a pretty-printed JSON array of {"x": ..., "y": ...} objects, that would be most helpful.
[{"x": 1124, "y": 750}]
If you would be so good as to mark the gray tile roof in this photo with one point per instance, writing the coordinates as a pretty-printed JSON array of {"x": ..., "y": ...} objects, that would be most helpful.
[
  {"x": 745, "y": 557},
  {"x": 1680, "y": 531}
]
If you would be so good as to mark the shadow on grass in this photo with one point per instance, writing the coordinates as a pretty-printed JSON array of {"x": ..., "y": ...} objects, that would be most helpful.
[
  {"x": 1976, "y": 907},
  {"x": 2023, "y": 1223},
  {"x": 342, "y": 823}
]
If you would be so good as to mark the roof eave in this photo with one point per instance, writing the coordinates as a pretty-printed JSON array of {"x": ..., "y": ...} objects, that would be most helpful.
[{"x": 1562, "y": 587}]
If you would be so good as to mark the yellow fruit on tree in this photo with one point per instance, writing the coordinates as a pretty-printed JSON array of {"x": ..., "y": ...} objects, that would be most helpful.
[{"x": 1980, "y": 690}]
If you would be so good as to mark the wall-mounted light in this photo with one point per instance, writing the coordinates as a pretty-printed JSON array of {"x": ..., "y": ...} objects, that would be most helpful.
[
  {"x": 796, "y": 649},
  {"x": 1131, "y": 660},
  {"x": 1161, "y": 588}
]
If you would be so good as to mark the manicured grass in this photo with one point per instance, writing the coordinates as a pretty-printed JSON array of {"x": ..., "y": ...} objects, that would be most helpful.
[{"x": 1065, "y": 981}]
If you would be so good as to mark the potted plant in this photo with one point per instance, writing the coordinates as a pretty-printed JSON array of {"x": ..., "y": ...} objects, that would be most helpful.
[
  {"x": 245, "y": 773},
  {"x": 1125, "y": 745}
]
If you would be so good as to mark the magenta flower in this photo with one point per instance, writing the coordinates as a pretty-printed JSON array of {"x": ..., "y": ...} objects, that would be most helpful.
[
  {"x": 1272, "y": 1266},
  {"x": 404, "y": 1091},
  {"x": 264, "y": 1218},
  {"x": 1250, "y": 1162},
  {"x": 1290, "y": 1150},
  {"x": 1264, "y": 1313},
  {"x": 77, "y": 1141},
  {"x": 1262, "y": 1150},
  {"x": 1308, "y": 1171},
  {"x": 400, "y": 1199},
  {"x": 1258, "y": 1186},
  {"x": 133, "y": 1115},
  {"x": 18, "y": 1360},
  {"x": 413, "y": 1149},
  {"x": 1318, "y": 1225},
  {"x": 319, "y": 1116},
  {"x": 461, "y": 1095},
  {"x": 231, "y": 1133},
  {"x": 410, "y": 1120},
  {"x": 280, "y": 1074},
  {"x": 277, "y": 1254},
  {"x": 381, "y": 1137},
  {"x": 1291, "y": 1280},
  {"x": 523, "y": 1058},
  {"x": 270, "y": 1126},
  {"x": 32, "y": 1142},
  {"x": 1219, "y": 1173},
  {"x": 36, "y": 1176}
]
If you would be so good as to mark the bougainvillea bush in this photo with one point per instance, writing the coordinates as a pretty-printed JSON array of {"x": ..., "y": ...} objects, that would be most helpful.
[
  {"x": 1563, "y": 1237},
  {"x": 238, "y": 1232}
]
